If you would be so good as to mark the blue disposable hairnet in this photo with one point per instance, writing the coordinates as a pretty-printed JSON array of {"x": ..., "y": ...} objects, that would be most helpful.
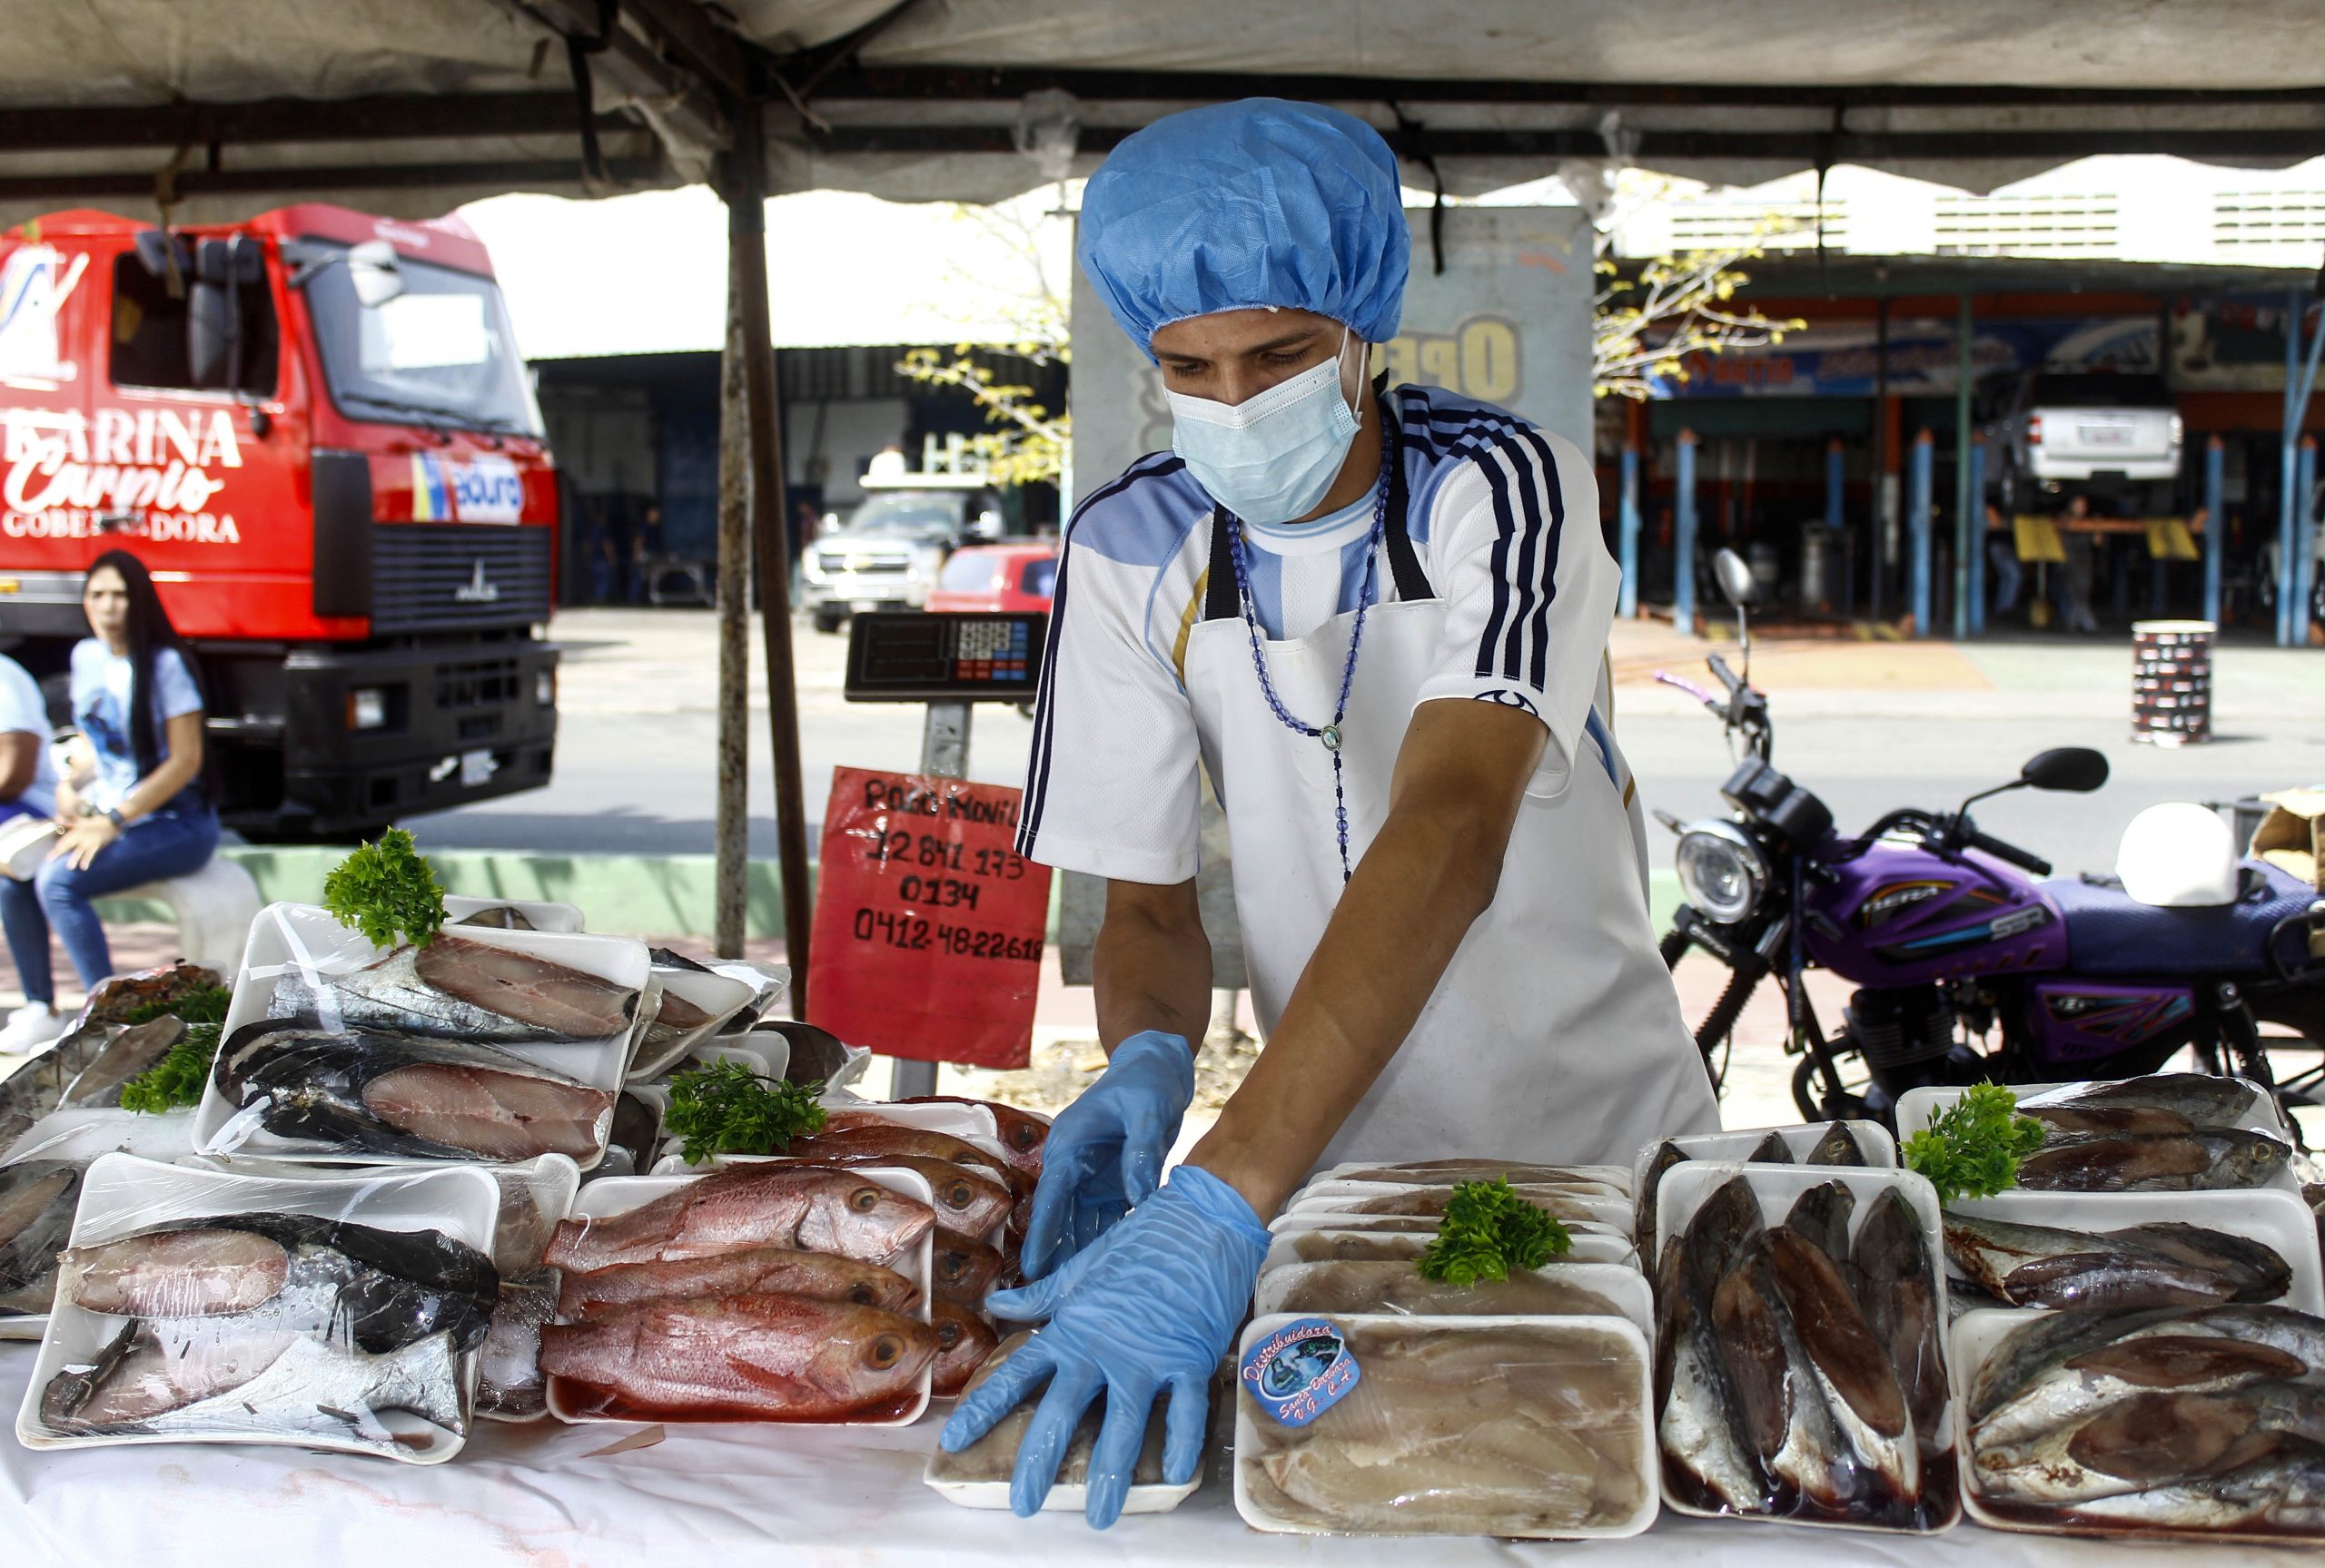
[{"x": 1259, "y": 202}]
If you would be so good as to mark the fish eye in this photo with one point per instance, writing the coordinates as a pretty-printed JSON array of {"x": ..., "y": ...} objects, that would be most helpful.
[
  {"x": 948, "y": 1334},
  {"x": 958, "y": 1195},
  {"x": 952, "y": 1266},
  {"x": 886, "y": 1350},
  {"x": 863, "y": 1296},
  {"x": 864, "y": 1199}
]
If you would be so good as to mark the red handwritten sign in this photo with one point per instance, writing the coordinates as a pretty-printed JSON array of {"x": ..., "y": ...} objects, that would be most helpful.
[{"x": 928, "y": 924}]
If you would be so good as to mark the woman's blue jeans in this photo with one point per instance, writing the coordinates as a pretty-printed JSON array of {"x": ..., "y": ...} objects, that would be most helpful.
[{"x": 170, "y": 842}]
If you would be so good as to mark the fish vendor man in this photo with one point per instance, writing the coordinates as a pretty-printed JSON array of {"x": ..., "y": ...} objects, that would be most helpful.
[{"x": 1377, "y": 616}]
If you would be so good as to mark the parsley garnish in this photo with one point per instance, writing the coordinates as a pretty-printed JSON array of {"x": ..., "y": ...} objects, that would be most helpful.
[
  {"x": 177, "y": 1078},
  {"x": 725, "y": 1107},
  {"x": 1489, "y": 1230},
  {"x": 202, "y": 1004},
  {"x": 385, "y": 889},
  {"x": 1971, "y": 1148}
]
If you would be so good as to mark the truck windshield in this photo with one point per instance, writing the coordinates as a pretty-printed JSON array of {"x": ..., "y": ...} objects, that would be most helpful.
[
  {"x": 439, "y": 351},
  {"x": 908, "y": 513}
]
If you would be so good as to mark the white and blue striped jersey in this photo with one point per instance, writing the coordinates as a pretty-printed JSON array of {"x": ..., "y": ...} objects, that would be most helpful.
[{"x": 1503, "y": 519}]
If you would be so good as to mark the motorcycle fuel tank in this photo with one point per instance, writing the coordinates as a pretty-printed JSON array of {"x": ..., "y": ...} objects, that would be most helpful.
[
  {"x": 1905, "y": 916},
  {"x": 2078, "y": 1021}
]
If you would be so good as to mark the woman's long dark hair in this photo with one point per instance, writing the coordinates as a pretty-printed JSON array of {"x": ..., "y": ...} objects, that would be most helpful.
[{"x": 149, "y": 632}]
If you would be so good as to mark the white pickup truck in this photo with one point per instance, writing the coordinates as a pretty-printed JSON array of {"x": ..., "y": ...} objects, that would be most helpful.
[{"x": 2049, "y": 428}]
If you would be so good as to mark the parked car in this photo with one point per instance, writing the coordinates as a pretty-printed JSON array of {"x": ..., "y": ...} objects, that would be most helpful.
[
  {"x": 1018, "y": 575},
  {"x": 892, "y": 547},
  {"x": 2109, "y": 430}
]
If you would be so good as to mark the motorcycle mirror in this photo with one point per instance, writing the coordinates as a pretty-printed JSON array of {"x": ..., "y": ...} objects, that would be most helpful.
[
  {"x": 2077, "y": 769},
  {"x": 1735, "y": 580}
]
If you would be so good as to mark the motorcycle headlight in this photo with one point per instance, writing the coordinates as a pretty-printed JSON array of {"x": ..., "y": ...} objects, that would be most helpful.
[{"x": 1721, "y": 871}]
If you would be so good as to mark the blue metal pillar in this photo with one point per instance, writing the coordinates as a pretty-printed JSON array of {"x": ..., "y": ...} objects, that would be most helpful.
[
  {"x": 2304, "y": 535},
  {"x": 2215, "y": 524},
  {"x": 2291, "y": 433},
  {"x": 1964, "y": 537},
  {"x": 1836, "y": 485},
  {"x": 1976, "y": 534},
  {"x": 1917, "y": 521},
  {"x": 1683, "y": 542},
  {"x": 1626, "y": 602}
]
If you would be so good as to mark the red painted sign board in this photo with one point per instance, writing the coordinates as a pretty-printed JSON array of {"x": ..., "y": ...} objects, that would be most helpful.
[{"x": 928, "y": 923}]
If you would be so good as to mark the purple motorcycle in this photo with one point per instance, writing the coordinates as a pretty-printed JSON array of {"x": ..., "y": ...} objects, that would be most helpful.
[{"x": 1968, "y": 967}]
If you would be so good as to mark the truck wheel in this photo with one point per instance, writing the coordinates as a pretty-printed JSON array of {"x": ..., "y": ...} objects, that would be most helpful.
[{"x": 826, "y": 621}]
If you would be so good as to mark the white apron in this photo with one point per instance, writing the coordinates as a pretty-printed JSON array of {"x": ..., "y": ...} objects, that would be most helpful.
[{"x": 1555, "y": 1034}]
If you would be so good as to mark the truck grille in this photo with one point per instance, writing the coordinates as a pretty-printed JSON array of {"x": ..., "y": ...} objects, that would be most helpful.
[
  {"x": 437, "y": 576},
  {"x": 837, "y": 562}
]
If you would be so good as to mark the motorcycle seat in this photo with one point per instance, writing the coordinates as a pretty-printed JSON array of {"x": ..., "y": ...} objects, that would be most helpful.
[{"x": 2111, "y": 933}]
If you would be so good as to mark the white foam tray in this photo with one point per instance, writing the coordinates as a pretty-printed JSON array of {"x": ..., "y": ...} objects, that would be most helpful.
[
  {"x": 544, "y": 914},
  {"x": 720, "y": 996},
  {"x": 1916, "y": 1107},
  {"x": 122, "y": 1194},
  {"x": 1873, "y": 1142},
  {"x": 1683, "y": 1190},
  {"x": 1589, "y": 1246},
  {"x": 620, "y": 1194},
  {"x": 81, "y": 1135},
  {"x": 1617, "y": 1176},
  {"x": 1646, "y": 1458},
  {"x": 1423, "y": 1225},
  {"x": 1614, "y": 1212},
  {"x": 1626, "y": 1287},
  {"x": 283, "y": 930},
  {"x": 2274, "y": 1218},
  {"x": 1975, "y": 1335}
]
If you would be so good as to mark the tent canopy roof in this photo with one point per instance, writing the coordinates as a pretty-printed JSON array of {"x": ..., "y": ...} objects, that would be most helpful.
[{"x": 221, "y": 107}]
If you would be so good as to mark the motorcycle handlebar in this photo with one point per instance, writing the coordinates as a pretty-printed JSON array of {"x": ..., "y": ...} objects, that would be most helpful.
[
  {"x": 1726, "y": 676},
  {"x": 2024, "y": 859}
]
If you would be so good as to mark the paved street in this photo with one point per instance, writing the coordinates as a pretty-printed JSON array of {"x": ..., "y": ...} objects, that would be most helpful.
[{"x": 1869, "y": 727}]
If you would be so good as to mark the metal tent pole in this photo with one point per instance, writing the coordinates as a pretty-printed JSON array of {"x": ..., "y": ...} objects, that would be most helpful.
[
  {"x": 1683, "y": 538},
  {"x": 2215, "y": 524},
  {"x": 1964, "y": 537},
  {"x": 1917, "y": 525},
  {"x": 746, "y": 237},
  {"x": 1626, "y": 604},
  {"x": 733, "y": 831},
  {"x": 1975, "y": 546}
]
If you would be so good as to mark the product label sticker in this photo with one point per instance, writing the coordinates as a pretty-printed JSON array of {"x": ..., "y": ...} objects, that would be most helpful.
[{"x": 1299, "y": 1371}]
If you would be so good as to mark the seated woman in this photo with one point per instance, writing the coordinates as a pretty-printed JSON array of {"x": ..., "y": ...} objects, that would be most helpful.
[
  {"x": 142, "y": 815},
  {"x": 28, "y": 774}
]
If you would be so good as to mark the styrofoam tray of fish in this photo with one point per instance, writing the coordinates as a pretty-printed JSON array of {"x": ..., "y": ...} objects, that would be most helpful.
[
  {"x": 689, "y": 1283},
  {"x": 322, "y": 1312},
  {"x": 1320, "y": 1191},
  {"x": 691, "y": 1006},
  {"x": 465, "y": 1083},
  {"x": 534, "y": 1196},
  {"x": 1293, "y": 1222},
  {"x": 1337, "y": 1290},
  {"x": 40, "y": 1185},
  {"x": 1800, "y": 1319},
  {"x": 1873, "y": 1147},
  {"x": 2071, "y": 1426},
  {"x": 970, "y": 1123},
  {"x": 1428, "y": 1202},
  {"x": 538, "y": 914},
  {"x": 2092, "y": 1250},
  {"x": 2174, "y": 1132},
  {"x": 978, "y": 1476},
  {"x": 1473, "y": 1167},
  {"x": 1531, "y": 1427},
  {"x": 1287, "y": 1248}
]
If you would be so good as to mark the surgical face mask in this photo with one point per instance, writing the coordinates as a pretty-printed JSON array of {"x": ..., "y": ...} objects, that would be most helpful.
[{"x": 1268, "y": 458}]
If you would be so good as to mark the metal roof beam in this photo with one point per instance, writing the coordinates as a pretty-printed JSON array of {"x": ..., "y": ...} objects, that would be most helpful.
[
  {"x": 385, "y": 117},
  {"x": 973, "y": 83},
  {"x": 511, "y": 174}
]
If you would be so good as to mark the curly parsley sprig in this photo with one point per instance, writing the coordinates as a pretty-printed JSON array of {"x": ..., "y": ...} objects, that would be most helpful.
[
  {"x": 1488, "y": 1230},
  {"x": 725, "y": 1107},
  {"x": 1971, "y": 1148},
  {"x": 387, "y": 890},
  {"x": 176, "y": 1079}
]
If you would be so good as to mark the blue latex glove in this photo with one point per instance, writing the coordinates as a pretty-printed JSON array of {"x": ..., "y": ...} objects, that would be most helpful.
[
  {"x": 1151, "y": 1307},
  {"x": 1105, "y": 1152}
]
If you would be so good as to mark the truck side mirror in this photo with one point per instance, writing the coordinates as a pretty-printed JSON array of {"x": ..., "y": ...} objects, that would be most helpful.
[{"x": 371, "y": 267}]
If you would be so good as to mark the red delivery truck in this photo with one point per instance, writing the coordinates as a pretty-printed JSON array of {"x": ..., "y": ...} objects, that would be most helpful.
[{"x": 314, "y": 428}]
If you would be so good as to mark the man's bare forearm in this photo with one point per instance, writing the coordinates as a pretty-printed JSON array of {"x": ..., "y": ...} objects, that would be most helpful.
[{"x": 1152, "y": 964}]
